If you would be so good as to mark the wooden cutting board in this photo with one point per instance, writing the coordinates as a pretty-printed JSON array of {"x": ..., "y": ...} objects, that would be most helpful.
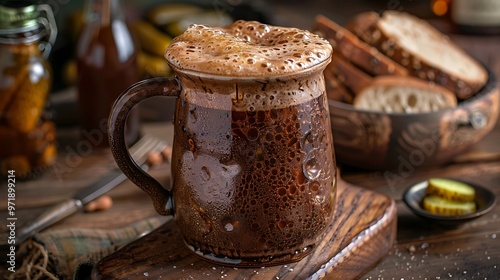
[{"x": 362, "y": 233}]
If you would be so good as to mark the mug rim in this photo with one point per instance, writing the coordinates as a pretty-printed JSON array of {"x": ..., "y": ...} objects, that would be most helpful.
[{"x": 269, "y": 76}]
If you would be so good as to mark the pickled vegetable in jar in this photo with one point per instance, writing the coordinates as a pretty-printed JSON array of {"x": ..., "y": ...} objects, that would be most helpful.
[{"x": 27, "y": 135}]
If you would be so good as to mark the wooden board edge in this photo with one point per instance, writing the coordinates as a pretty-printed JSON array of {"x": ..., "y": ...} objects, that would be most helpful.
[{"x": 383, "y": 233}]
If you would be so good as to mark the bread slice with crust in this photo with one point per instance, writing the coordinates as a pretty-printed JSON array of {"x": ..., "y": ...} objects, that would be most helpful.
[
  {"x": 335, "y": 90},
  {"x": 363, "y": 24},
  {"x": 355, "y": 50},
  {"x": 348, "y": 74},
  {"x": 392, "y": 94},
  {"x": 422, "y": 49}
]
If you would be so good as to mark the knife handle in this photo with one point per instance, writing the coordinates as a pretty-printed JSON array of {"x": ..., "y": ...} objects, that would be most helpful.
[{"x": 49, "y": 217}]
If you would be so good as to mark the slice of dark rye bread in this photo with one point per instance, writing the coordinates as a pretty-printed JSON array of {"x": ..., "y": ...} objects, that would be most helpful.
[
  {"x": 335, "y": 90},
  {"x": 348, "y": 74},
  {"x": 422, "y": 49},
  {"x": 355, "y": 50}
]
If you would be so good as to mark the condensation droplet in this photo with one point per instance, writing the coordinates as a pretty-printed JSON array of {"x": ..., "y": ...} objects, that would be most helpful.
[
  {"x": 229, "y": 227},
  {"x": 194, "y": 115},
  {"x": 311, "y": 169},
  {"x": 205, "y": 174},
  {"x": 230, "y": 224},
  {"x": 319, "y": 199}
]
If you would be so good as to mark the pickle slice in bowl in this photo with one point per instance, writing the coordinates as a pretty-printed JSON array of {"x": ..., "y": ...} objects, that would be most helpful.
[
  {"x": 441, "y": 206},
  {"x": 451, "y": 189},
  {"x": 415, "y": 194}
]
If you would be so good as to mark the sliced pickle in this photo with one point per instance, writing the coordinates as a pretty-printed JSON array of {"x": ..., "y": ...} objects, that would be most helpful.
[
  {"x": 451, "y": 189},
  {"x": 438, "y": 205}
]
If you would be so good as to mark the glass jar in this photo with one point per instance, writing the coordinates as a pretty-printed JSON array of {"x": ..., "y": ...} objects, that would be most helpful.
[{"x": 27, "y": 135}]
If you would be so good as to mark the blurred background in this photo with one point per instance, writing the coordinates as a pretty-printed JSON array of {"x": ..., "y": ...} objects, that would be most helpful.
[
  {"x": 279, "y": 12},
  {"x": 91, "y": 61}
]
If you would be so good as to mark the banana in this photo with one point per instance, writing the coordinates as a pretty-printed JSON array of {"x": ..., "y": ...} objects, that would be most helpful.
[
  {"x": 152, "y": 40},
  {"x": 167, "y": 13},
  {"x": 438, "y": 205},
  {"x": 450, "y": 189},
  {"x": 210, "y": 18}
]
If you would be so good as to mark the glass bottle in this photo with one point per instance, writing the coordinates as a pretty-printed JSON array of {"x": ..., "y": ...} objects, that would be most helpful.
[
  {"x": 27, "y": 135},
  {"x": 107, "y": 65}
]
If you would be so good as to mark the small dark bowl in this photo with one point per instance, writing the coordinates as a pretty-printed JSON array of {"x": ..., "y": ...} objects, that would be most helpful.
[
  {"x": 413, "y": 196},
  {"x": 399, "y": 141}
]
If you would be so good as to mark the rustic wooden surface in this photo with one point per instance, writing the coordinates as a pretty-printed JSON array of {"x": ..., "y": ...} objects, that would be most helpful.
[
  {"x": 424, "y": 250},
  {"x": 427, "y": 251},
  {"x": 361, "y": 233},
  {"x": 421, "y": 251}
]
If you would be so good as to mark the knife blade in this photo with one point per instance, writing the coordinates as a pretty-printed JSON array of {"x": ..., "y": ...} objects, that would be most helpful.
[{"x": 59, "y": 211}]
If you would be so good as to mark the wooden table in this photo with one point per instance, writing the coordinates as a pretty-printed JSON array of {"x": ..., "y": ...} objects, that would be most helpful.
[
  {"x": 425, "y": 251},
  {"x": 421, "y": 251}
]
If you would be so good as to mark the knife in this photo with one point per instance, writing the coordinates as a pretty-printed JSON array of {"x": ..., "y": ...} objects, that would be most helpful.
[{"x": 139, "y": 152}]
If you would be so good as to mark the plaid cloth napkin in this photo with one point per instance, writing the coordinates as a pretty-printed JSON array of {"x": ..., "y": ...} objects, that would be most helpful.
[{"x": 71, "y": 253}]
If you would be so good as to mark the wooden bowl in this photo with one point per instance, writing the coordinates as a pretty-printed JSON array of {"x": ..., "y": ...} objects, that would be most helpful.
[
  {"x": 413, "y": 196},
  {"x": 403, "y": 142}
]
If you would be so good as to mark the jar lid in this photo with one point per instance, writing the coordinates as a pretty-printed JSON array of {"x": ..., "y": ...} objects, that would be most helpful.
[
  {"x": 25, "y": 22},
  {"x": 18, "y": 15}
]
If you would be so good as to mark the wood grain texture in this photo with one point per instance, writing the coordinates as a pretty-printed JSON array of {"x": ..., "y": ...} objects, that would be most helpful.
[
  {"x": 427, "y": 250},
  {"x": 362, "y": 232}
]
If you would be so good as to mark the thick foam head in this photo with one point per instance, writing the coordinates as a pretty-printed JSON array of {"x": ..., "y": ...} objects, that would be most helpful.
[{"x": 247, "y": 49}]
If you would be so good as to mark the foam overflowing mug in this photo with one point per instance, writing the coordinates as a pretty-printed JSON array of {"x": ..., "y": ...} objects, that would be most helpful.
[{"x": 253, "y": 168}]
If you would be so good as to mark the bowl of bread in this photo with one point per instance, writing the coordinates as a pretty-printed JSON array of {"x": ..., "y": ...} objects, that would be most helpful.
[{"x": 401, "y": 94}]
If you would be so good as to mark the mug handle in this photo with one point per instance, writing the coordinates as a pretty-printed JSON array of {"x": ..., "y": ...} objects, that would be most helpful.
[{"x": 162, "y": 198}]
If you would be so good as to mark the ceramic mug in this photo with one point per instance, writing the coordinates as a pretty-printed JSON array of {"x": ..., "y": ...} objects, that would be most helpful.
[{"x": 253, "y": 167}]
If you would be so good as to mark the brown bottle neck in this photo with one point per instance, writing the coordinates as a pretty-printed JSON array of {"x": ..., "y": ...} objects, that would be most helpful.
[{"x": 104, "y": 11}]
